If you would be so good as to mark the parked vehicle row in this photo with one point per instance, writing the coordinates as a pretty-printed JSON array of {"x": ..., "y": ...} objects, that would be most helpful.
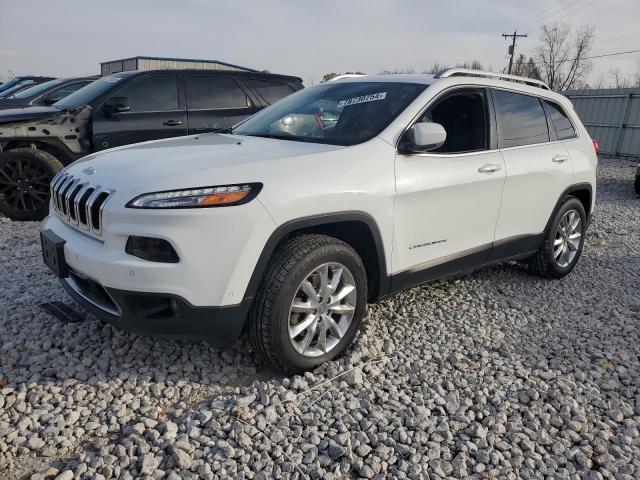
[
  {"x": 338, "y": 195},
  {"x": 46, "y": 93},
  {"x": 17, "y": 84},
  {"x": 117, "y": 110}
]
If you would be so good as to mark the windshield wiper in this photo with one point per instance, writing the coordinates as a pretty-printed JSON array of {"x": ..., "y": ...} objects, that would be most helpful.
[
  {"x": 272, "y": 135},
  {"x": 224, "y": 130}
]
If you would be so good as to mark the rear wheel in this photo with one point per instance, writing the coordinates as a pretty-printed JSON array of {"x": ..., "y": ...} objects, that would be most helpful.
[
  {"x": 311, "y": 303},
  {"x": 25, "y": 175},
  {"x": 562, "y": 245}
]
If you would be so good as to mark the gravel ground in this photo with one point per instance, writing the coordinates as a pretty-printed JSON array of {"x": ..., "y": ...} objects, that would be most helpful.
[{"x": 497, "y": 374}]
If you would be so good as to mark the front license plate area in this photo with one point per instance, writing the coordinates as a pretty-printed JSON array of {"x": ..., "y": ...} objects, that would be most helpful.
[{"x": 53, "y": 253}]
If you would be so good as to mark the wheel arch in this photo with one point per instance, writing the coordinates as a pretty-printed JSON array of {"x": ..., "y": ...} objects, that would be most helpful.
[
  {"x": 582, "y": 191},
  {"x": 52, "y": 148},
  {"x": 358, "y": 229}
]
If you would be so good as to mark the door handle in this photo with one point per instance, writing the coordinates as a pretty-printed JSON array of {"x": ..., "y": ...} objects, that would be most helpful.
[
  {"x": 172, "y": 123},
  {"x": 489, "y": 168},
  {"x": 559, "y": 159}
]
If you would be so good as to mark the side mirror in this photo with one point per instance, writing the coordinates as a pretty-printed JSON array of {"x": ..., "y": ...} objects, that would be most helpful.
[
  {"x": 116, "y": 105},
  {"x": 426, "y": 136}
]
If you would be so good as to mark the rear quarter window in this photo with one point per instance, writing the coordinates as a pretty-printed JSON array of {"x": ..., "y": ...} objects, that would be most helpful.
[
  {"x": 560, "y": 121},
  {"x": 271, "y": 91},
  {"x": 522, "y": 119}
]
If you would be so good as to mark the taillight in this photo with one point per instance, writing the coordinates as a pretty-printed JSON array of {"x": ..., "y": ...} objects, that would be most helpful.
[{"x": 596, "y": 145}]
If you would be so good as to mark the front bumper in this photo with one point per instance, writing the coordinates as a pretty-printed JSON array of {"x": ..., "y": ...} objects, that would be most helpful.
[{"x": 158, "y": 314}]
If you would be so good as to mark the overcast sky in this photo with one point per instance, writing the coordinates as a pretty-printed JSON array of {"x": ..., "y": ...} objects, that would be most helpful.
[{"x": 305, "y": 38}]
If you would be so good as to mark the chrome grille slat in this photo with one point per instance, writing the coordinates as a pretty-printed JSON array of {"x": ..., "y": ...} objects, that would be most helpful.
[
  {"x": 76, "y": 202},
  {"x": 67, "y": 196},
  {"x": 61, "y": 191},
  {"x": 90, "y": 201},
  {"x": 67, "y": 199}
]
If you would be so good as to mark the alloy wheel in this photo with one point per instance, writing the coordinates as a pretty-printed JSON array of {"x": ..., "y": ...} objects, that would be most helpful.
[
  {"x": 322, "y": 310},
  {"x": 24, "y": 184},
  {"x": 567, "y": 239}
]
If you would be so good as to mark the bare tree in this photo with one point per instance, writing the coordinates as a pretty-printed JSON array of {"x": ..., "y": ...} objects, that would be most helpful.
[
  {"x": 619, "y": 80},
  {"x": 438, "y": 67},
  {"x": 435, "y": 68},
  {"x": 396, "y": 71},
  {"x": 526, "y": 68},
  {"x": 562, "y": 55}
]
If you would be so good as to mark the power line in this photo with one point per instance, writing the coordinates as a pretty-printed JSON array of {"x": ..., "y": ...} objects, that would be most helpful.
[
  {"x": 544, "y": 13},
  {"x": 578, "y": 9},
  {"x": 597, "y": 56},
  {"x": 618, "y": 38}
]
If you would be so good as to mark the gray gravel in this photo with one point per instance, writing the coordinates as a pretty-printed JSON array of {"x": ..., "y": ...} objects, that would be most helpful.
[{"x": 497, "y": 374}]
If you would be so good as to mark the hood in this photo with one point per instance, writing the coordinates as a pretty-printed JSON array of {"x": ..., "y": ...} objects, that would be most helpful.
[
  {"x": 29, "y": 114},
  {"x": 6, "y": 104},
  {"x": 184, "y": 162}
]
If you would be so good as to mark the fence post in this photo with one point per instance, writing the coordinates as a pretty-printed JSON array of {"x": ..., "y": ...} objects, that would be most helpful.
[{"x": 623, "y": 121}]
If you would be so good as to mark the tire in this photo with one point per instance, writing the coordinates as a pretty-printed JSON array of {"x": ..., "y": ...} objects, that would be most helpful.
[
  {"x": 303, "y": 258},
  {"x": 636, "y": 184},
  {"x": 25, "y": 175},
  {"x": 547, "y": 262}
]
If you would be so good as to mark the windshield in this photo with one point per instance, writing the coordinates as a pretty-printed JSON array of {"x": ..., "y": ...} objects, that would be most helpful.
[
  {"x": 335, "y": 113},
  {"x": 32, "y": 91},
  {"x": 10, "y": 83},
  {"x": 89, "y": 93}
]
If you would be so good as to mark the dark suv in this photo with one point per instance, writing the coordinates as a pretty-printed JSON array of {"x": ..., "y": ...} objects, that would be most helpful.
[{"x": 116, "y": 110}]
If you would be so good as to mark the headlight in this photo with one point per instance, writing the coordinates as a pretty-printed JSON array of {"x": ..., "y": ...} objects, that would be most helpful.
[{"x": 221, "y": 196}]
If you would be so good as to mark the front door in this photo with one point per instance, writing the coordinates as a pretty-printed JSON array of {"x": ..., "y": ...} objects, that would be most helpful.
[
  {"x": 146, "y": 108},
  {"x": 448, "y": 199},
  {"x": 216, "y": 102}
]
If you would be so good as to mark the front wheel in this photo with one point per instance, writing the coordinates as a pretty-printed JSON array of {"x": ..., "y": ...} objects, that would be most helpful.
[
  {"x": 25, "y": 175},
  {"x": 563, "y": 242},
  {"x": 310, "y": 304}
]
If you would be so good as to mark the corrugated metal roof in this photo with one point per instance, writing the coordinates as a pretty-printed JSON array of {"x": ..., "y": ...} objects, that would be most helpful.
[{"x": 189, "y": 60}]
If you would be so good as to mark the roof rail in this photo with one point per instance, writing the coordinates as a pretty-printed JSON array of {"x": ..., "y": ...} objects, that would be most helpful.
[
  {"x": 348, "y": 75},
  {"x": 465, "y": 72}
]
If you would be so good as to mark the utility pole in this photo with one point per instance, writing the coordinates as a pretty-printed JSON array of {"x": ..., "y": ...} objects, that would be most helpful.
[{"x": 512, "y": 47}]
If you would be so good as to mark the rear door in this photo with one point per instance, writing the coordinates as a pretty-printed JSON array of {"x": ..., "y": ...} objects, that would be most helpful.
[
  {"x": 151, "y": 109},
  {"x": 216, "y": 102},
  {"x": 538, "y": 168}
]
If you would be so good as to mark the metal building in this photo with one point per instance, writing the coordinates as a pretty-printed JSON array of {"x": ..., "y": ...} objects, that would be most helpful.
[
  {"x": 162, "y": 63},
  {"x": 612, "y": 116}
]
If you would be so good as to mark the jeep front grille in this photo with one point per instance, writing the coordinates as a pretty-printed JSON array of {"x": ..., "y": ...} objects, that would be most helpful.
[{"x": 79, "y": 203}]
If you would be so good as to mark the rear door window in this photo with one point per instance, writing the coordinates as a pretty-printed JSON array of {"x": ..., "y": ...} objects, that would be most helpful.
[
  {"x": 208, "y": 92},
  {"x": 560, "y": 120},
  {"x": 271, "y": 91},
  {"x": 522, "y": 119}
]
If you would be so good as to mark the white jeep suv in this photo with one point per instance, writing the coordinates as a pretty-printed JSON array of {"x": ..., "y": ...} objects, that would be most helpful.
[{"x": 338, "y": 195}]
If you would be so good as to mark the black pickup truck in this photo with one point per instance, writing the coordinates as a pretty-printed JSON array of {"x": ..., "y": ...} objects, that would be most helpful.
[{"x": 121, "y": 109}]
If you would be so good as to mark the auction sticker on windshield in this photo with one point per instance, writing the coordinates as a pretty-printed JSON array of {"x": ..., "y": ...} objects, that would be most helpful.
[{"x": 372, "y": 97}]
